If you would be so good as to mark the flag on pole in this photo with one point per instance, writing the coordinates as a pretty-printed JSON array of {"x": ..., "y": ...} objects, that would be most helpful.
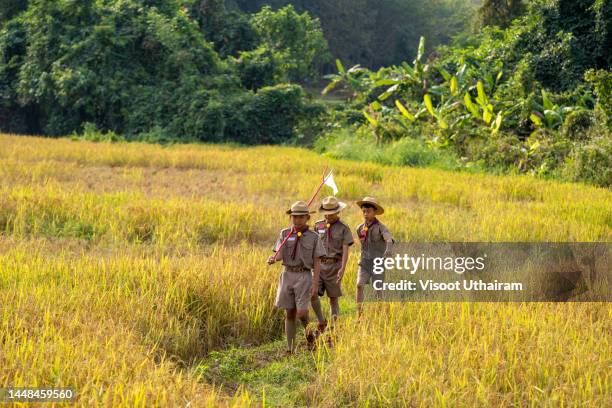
[{"x": 329, "y": 181}]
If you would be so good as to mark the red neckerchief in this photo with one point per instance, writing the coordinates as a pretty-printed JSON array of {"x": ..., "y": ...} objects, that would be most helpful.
[
  {"x": 297, "y": 240},
  {"x": 366, "y": 229},
  {"x": 328, "y": 227}
]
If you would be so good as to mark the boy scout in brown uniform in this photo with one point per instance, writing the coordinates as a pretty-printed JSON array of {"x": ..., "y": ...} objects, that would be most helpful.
[
  {"x": 337, "y": 238},
  {"x": 300, "y": 255},
  {"x": 376, "y": 241}
]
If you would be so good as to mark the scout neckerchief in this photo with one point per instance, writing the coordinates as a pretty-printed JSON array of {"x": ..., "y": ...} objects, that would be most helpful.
[
  {"x": 365, "y": 229},
  {"x": 297, "y": 241},
  {"x": 328, "y": 228}
]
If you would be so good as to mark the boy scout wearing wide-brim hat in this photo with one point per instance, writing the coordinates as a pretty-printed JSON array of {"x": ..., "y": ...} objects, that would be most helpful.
[
  {"x": 334, "y": 237},
  {"x": 376, "y": 241},
  {"x": 373, "y": 202},
  {"x": 337, "y": 239},
  {"x": 299, "y": 256},
  {"x": 299, "y": 208}
]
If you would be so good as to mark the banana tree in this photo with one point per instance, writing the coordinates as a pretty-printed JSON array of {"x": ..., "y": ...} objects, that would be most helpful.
[
  {"x": 401, "y": 78},
  {"x": 448, "y": 102},
  {"x": 454, "y": 112},
  {"x": 483, "y": 110},
  {"x": 549, "y": 115},
  {"x": 356, "y": 78}
]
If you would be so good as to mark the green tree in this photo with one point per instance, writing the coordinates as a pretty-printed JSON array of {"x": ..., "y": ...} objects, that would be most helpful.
[
  {"x": 296, "y": 40},
  {"x": 229, "y": 30},
  {"x": 89, "y": 62},
  {"x": 138, "y": 68},
  {"x": 564, "y": 38}
]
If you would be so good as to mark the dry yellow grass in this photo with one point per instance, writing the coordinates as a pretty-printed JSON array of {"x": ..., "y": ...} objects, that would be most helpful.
[{"x": 121, "y": 265}]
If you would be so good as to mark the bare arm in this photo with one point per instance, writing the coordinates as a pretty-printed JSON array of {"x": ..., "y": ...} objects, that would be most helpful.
[
  {"x": 277, "y": 247},
  {"x": 345, "y": 255},
  {"x": 315, "y": 279},
  {"x": 388, "y": 243},
  {"x": 388, "y": 248}
]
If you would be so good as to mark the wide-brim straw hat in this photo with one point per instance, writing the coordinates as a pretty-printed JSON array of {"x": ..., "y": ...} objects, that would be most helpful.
[
  {"x": 372, "y": 201},
  {"x": 299, "y": 208},
  {"x": 331, "y": 205}
]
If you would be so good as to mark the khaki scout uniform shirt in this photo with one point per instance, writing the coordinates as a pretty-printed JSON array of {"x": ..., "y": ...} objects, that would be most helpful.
[
  {"x": 309, "y": 247},
  {"x": 334, "y": 237},
  {"x": 373, "y": 241}
]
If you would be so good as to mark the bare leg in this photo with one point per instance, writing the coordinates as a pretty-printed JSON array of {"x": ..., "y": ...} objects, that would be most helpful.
[
  {"x": 334, "y": 306},
  {"x": 359, "y": 299},
  {"x": 316, "y": 306},
  {"x": 290, "y": 328},
  {"x": 303, "y": 316},
  {"x": 310, "y": 337}
]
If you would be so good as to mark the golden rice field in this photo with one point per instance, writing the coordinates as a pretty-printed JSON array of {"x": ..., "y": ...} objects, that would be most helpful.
[{"x": 126, "y": 269}]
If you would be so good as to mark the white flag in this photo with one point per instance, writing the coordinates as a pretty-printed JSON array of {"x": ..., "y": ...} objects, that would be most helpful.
[{"x": 329, "y": 181}]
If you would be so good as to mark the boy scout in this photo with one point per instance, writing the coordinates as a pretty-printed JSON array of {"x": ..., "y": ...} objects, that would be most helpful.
[
  {"x": 300, "y": 254},
  {"x": 336, "y": 238},
  {"x": 376, "y": 241}
]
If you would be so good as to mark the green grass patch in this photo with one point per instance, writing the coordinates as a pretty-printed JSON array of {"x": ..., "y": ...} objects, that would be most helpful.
[
  {"x": 264, "y": 371},
  {"x": 411, "y": 152}
]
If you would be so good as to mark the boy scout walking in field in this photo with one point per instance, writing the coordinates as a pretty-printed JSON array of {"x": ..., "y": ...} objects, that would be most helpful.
[
  {"x": 337, "y": 238},
  {"x": 300, "y": 255},
  {"x": 376, "y": 241}
]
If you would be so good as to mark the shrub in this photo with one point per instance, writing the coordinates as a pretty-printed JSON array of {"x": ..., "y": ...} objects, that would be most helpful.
[
  {"x": 591, "y": 162},
  {"x": 602, "y": 82},
  {"x": 257, "y": 68},
  {"x": 93, "y": 134},
  {"x": 363, "y": 146},
  {"x": 500, "y": 152},
  {"x": 577, "y": 124},
  {"x": 156, "y": 135},
  {"x": 268, "y": 116}
]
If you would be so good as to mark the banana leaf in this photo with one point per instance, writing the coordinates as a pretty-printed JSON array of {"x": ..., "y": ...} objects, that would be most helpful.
[
  {"x": 340, "y": 66},
  {"x": 404, "y": 111},
  {"x": 429, "y": 105}
]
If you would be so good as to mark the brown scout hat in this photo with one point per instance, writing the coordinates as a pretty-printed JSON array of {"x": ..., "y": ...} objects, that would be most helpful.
[
  {"x": 372, "y": 201},
  {"x": 331, "y": 205},
  {"x": 299, "y": 208}
]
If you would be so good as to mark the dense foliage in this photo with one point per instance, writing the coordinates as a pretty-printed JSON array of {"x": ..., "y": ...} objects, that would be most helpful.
[
  {"x": 534, "y": 97},
  {"x": 146, "y": 69}
]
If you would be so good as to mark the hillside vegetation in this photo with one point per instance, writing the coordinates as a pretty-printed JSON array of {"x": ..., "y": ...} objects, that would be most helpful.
[{"x": 501, "y": 86}]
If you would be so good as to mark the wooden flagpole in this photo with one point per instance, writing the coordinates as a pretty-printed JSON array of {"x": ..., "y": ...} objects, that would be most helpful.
[{"x": 309, "y": 202}]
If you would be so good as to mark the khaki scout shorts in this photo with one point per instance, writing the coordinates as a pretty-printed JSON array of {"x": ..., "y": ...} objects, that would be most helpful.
[
  {"x": 328, "y": 280},
  {"x": 293, "y": 290},
  {"x": 366, "y": 274}
]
